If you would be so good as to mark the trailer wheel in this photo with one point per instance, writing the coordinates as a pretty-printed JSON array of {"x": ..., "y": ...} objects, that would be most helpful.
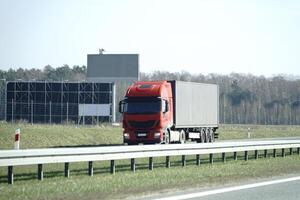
[
  {"x": 182, "y": 137},
  {"x": 212, "y": 134},
  {"x": 202, "y": 134},
  {"x": 208, "y": 135}
]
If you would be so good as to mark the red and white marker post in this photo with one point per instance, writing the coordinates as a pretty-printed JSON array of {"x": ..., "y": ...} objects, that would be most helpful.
[{"x": 17, "y": 138}]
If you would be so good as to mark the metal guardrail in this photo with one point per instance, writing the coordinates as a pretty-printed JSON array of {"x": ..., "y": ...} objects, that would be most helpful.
[{"x": 10, "y": 158}]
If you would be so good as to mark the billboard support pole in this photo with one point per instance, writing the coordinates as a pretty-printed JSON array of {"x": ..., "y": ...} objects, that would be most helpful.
[
  {"x": 31, "y": 112},
  {"x": 114, "y": 103},
  {"x": 50, "y": 111},
  {"x": 5, "y": 101},
  {"x": 67, "y": 113},
  {"x": 12, "y": 111}
]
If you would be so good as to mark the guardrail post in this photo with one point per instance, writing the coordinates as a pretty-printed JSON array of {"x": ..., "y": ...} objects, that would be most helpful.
[
  {"x": 112, "y": 167},
  {"x": 198, "y": 160},
  {"x": 256, "y": 154},
  {"x": 291, "y": 151},
  {"x": 91, "y": 168},
  {"x": 183, "y": 161},
  {"x": 274, "y": 153},
  {"x": 211, "y": 158},
  {"x": 223, "y": 157},
  {"x": 265, "y": 153},
  {"x": 40, "y": 172},
  {"x": 298, "y": 150},
  {"x": 235, "y": 156},
  {"x": 10, "y": 175},
  {"x": 151, "y": 163},
  {"x": 132, "y": 164},
  {"x": 246, "y": 155},
  {"x": 67, "y": 170},
  {"x": 168, "y": 164},
  {"x": 282, "y": 153}
]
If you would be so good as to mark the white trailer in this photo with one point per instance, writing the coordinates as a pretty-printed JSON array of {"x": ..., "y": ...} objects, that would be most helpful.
[{"x": 196, "y": 111}]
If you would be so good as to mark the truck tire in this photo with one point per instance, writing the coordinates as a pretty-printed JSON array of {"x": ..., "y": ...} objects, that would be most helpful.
[
  {"x": 206, "y": 135},
  {"x": 202, "y": 136},
  {"x": 211, "y": 135},
  {"x": 182, "y": 137},
  {"x": 167, "y": 138}
]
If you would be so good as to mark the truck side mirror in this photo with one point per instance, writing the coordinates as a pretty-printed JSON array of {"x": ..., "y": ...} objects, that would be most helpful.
[
  {"x": 166, "y": 106},
  {"x": 121, "y": 106}
]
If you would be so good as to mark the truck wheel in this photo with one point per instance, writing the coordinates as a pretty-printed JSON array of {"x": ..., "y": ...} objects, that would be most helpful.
[
  {"x": 212, "y": 134},
  {"x": 202, "y": 137},
  {"x": 209, "y": 136},
  {"x": 182, "y": 137},
  {"x": 167, "y": 138}
]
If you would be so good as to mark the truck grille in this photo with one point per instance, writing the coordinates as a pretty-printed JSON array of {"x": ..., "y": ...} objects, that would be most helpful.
[{"x": 142, "y": 124}]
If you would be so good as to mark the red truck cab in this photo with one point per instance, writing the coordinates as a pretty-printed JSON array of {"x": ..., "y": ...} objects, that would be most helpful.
[{"x": 147, "y": 112}]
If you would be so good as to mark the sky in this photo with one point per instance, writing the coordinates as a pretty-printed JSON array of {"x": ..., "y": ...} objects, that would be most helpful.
[{"x": 199, "y": 36}]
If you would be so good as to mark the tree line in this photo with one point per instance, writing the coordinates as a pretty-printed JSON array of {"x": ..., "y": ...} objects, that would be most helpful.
[
  {"x": 248, "y": 99},
  {"x": 48, "y": 73},
  {"x": 243, "y": 98}
]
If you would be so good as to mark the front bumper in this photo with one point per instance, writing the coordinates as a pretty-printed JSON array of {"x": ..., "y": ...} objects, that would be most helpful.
[
  {"x": 144, "y": 141},
  {"x": 142, "y": 137}
]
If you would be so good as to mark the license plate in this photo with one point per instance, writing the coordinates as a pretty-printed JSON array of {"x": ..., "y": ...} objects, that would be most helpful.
[{"x": 142, "y": 134}]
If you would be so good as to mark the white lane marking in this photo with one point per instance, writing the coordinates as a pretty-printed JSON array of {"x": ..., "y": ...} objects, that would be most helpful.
[{"x": 229, "y": 189}]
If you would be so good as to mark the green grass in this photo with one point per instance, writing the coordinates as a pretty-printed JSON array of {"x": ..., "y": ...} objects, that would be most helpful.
[
  {"x": 257, "y": 131},
  {"x": 103, "y": 185},
  {"x": 44, "y": 136}
]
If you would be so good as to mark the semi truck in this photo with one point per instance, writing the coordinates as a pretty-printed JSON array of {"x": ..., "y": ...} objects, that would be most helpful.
[{"x": 170, "y": 112}]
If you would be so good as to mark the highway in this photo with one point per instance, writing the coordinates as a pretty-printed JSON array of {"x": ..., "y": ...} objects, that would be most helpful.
[{"x": 278, "y": 189}]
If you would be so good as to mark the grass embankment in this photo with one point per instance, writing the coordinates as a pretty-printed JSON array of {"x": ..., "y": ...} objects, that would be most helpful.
[
  {"x": 44, "y": 136},
  {"x": 103, "y": 185},
  {"x": 228, "y": 132}
]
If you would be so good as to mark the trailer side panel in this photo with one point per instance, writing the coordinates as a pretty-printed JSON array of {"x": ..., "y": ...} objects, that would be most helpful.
[{"x": 195, "y": 104}]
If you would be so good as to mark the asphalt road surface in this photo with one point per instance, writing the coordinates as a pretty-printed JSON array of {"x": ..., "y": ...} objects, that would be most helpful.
[{"x": 280, "y": 189}]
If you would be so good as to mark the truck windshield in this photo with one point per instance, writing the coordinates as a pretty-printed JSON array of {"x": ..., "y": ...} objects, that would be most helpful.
[{"x": 143, "y": 106}]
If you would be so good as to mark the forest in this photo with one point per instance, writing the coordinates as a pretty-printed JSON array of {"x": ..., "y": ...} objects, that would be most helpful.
[{"x": 243, "y": 98}]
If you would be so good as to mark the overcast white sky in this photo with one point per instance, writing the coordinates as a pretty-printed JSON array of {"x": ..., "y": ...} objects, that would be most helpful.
[{"x": 200, "y": 36}]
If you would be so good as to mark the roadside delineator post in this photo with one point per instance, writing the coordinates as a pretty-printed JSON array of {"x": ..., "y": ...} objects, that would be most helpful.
[{"x": 17, "y": 139}]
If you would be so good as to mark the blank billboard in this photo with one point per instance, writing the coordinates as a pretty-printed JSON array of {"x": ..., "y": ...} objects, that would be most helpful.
[
  {"x": 94, "y": 109},
  {"x": 112, "y": 67}
]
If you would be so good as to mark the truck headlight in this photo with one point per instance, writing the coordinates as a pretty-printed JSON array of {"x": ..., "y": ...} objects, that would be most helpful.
[
  {"x": 156, "y": 135},
  {"x": 126, "y": 135}
]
